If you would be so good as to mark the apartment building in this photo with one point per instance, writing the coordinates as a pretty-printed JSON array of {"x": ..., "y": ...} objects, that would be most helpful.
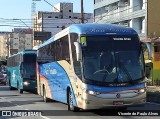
[
  {"x": 61, "y": 17},
  {"x": 19, "y": 42},
  {"x": 141, "y": 15},
  {"x": 3, "y": 45}
]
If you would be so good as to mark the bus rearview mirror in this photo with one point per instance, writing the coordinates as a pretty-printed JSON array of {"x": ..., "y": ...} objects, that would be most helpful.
[
  {"x": 147, "y": 46},
  {"x": 78, "y": 51}
]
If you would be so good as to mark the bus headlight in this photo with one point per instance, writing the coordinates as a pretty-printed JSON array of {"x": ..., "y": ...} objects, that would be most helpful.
[
  {"x": 141, "y": 90},
  {"x": 26, "y": 83},
  {"x": 92, "y": 92}
]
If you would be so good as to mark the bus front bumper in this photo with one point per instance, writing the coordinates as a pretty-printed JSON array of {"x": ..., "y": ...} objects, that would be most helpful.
[
  {"x": 29, "y": 84},
  {"x": 94, "y": 102}
]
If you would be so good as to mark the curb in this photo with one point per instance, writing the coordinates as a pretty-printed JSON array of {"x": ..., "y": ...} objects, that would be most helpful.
[{"x": 153, "y": 97}]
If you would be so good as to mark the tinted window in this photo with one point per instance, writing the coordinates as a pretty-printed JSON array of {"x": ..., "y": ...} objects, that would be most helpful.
[
  {"x": 55, "y": 51},
  {"x": 28, "y": 58}
]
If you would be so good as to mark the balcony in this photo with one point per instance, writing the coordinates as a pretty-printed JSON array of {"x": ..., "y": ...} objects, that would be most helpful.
[
  {"x": 121, "y": 16},
  {"x": 104, "y": 3}
]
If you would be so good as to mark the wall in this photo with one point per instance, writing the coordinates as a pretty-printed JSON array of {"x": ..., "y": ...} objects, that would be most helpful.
[{"x": 153, "y": 19}]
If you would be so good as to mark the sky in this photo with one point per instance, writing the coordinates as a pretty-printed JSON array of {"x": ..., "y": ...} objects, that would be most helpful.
[{"x": 13, "y": 10}]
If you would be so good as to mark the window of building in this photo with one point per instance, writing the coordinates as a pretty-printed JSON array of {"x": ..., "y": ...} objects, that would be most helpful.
[
  {"x": 56, "y": 16},
  {"x": 126, "y": 3},
  {"x": 157, "y": 47},
  {"x": 69, "y": 16},
  {"x": 49, "y": 16},
  {"x": 75, "y": 17},
  {"x": 70, "y": 10},
  {"x": 107, "y": 9}
]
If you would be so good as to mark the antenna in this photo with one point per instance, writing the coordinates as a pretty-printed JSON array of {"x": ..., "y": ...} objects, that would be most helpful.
[
  {"x": 33, "y": 13},
  {"x": 34, "y": 7}
]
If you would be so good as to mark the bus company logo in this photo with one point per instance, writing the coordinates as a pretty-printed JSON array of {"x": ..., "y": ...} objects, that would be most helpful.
[
  {"x": 118, "y": 95},
  {"x": 50, "y": 71}
]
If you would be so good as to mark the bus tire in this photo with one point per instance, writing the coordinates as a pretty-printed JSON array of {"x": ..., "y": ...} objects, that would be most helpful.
[
  {"x": 71, "y": 107},
  {"x": 10, "y": 87},
  {"x": 20, "y": 91},
  {"x": 45, "y": 99}
]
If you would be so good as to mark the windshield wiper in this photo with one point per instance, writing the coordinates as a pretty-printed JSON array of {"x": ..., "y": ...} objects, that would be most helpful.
[
  {"x": 105, "y": 76},
  {"x": 124, "y": 70},
  {"x": 127, "y": 73}
]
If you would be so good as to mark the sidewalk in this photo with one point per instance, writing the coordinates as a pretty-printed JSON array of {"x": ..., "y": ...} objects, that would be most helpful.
[
  {"x": 153, "y": 88},
  {"x": 153, "y": 94}
]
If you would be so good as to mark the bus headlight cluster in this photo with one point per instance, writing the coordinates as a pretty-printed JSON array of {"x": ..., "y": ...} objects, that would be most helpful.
[
  {"x": 141, "y": 90},
  {"x": 26, "y": 83},
  {"x": 92, "y": 92}
]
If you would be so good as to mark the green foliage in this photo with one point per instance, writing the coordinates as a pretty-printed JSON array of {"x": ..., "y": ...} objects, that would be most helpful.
[
  {"x": 2, "y": 58},
  {"x": 156, "y": 74}
]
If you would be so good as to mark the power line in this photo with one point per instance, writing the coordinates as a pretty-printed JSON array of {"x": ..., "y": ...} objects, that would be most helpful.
[
  {"x": 30, "y": 20},
  {"x": 27, "y": 27}
]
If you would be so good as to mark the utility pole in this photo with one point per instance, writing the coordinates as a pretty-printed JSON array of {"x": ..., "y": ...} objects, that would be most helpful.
[
  {"x": 82, "y": 16},
  {"x": 42, "y": 22},
  {"x": 7, "y": 45}
]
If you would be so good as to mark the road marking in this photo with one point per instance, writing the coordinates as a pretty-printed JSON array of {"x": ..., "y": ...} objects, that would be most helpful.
[
  {"x": 153, "y": 103},
  {"x": 45, "y": 117}
]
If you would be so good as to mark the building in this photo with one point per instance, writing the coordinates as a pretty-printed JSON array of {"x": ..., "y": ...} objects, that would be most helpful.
[
  {"x": 138, "y": 14},
  {"x": 13, "y": 42},
  {"x": 61, "y": 17},
  {"x": 3, "y": 45},
  {"x": 19, "y": 42}
]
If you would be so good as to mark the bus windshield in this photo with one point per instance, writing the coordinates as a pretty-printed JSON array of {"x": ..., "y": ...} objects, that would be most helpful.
[
  {"x": 112, "y": 63},
  {"x": 29, "y": 66}
]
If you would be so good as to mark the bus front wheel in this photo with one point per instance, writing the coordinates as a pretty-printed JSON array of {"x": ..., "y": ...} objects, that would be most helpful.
[
  {"x": 45, "y": 99},
  {"x": 20, "y": 91},
  {"x": 71, "y": 107},
  {"x": 10, "y": 87}
]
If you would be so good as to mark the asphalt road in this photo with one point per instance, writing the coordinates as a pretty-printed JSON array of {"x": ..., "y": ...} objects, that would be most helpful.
[{"x": 12, "y": 100}]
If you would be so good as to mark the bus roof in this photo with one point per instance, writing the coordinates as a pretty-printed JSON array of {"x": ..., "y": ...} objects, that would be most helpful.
[
  {"x": 24, "y": 52},
  {"x": 92, "y": 29},
  {"x": 101, "y": 29},
  {"x": 27, "y": 51}
]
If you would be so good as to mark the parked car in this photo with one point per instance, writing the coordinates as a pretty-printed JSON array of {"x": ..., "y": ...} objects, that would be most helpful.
[{"x": 3, "y": 79}]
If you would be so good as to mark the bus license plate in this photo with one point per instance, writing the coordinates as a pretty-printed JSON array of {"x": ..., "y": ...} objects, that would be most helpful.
[{"x": 118, "y": 102}]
